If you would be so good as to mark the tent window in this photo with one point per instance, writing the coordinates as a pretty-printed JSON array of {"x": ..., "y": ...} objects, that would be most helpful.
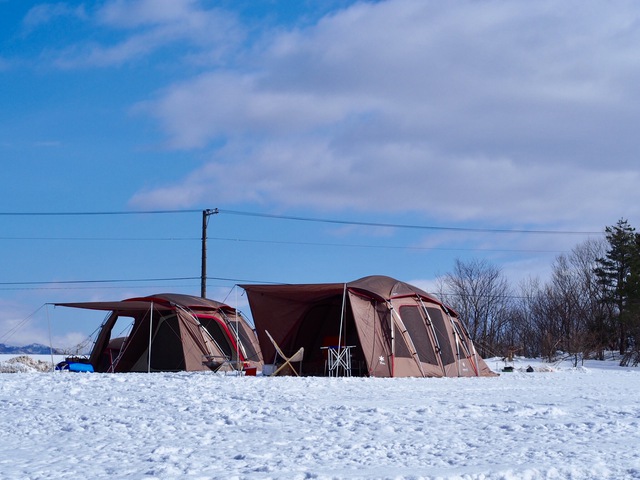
[
  {"x": 122, "y": 327},
  {"x": 166, "y": 349},
  {"x": 247, "y": 344},
  {"x": 442, "y": 333},
  {"x": 417, "y": 330},
  {"x": 402, "y": 350},
  {"x": 220, "y": 337}
]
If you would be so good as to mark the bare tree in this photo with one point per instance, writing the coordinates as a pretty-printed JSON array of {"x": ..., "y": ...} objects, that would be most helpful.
[
  {"x": 565, "y": 315},
  {"x": 528, "y": 336},
  {"x": 597, "y": 316},
  {"x": 480, "y": 293}
]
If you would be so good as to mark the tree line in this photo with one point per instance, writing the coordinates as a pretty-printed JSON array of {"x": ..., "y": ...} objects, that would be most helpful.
[{"x": 589, "y": 306}]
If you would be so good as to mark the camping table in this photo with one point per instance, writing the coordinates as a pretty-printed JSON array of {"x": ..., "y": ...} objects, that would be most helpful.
[{"x": 339, "y": 360}]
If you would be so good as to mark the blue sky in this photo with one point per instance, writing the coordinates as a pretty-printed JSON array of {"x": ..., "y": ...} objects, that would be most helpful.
[{"x": 470, "y": 115}]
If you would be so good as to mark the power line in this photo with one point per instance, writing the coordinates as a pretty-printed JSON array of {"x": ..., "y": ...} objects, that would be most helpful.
[
  {"x": 393, "y": 247},
  {"x": 79, "y": 282},
  {"x": 100, "y": 287},
  {"x": 312, "y": 219},
  {"x": 103, "y": 239},
  {"x": 133, "y": 280},
  {"x": 77, "y": 214},
  {"x": 408, "y": 226},
  {"x": 280, "y": 242}
]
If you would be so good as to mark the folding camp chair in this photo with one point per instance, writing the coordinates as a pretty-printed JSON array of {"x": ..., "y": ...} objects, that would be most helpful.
[{"x": 296, "y": 357}]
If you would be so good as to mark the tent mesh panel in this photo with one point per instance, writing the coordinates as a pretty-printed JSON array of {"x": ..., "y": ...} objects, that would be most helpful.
[
  {"x": 442, "y": 333},
  {"x": 215, "y": 330},
  {"x": 401, "y": 349},
  {"x": 252, "y": 354},
  {"x": 416, "y": 328},
  {"x": 166, "y": 352}
]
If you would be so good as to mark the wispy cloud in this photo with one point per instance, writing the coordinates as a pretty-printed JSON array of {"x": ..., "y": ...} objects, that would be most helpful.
[
  {"x": 127, "y": 31},
  {"x": 44, "y": 14}
]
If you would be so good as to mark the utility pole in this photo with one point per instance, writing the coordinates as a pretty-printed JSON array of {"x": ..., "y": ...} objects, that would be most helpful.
[{"x": 203, "y": 277}]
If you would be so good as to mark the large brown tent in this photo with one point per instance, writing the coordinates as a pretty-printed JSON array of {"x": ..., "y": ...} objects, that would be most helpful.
[
  {"x": 172, "y": 332},
  {"x": 394, "y": 329}
]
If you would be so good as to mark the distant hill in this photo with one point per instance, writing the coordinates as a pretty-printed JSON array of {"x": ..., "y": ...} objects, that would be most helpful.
[{"x": 33, "y": 349}]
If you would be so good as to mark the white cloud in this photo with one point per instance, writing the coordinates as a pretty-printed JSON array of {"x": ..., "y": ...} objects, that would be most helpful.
[
  {"x": 478, "y": 110},
  {"x": 45, "y": 13},
  {"x": 137, "y": 29},
  {"x": 136, "y": 13}
]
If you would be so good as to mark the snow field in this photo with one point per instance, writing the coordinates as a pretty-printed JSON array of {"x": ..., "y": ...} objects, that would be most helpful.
[{"x": 571, "y": 423}]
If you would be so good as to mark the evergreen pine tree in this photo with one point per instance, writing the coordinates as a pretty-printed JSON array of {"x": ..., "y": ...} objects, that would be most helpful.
[{"x": 619, "y": 274}]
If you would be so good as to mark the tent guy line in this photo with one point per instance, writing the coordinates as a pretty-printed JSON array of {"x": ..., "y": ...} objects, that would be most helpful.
[{"x": 311, "y": 219}]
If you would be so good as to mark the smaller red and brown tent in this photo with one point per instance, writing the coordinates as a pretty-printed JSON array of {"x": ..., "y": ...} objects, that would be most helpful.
[
  {"x": 172, "y": 332},
  {"x": 391, "y": 328}
]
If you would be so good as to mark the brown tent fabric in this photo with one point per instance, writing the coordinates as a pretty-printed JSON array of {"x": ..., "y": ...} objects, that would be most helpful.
[
  {"x": 187, "y": 333},
  {"x": 395, "y": 329}
]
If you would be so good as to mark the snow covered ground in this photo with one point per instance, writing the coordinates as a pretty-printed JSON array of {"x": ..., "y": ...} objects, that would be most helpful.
[{"x": 560, "y": 423}]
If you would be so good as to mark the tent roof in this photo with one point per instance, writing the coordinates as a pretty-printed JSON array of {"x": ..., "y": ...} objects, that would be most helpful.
[
  {"x": 387, "y": 287},
  {"x": 160, "y": 301},
  {"x": 377, "y": 286}
]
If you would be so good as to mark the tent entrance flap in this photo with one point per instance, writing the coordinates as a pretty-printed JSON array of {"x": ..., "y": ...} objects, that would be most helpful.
[
  {"x": 406, "y": 336},
  {"x": 374, "y": 326},
  {"x": 329, "y": 323}
]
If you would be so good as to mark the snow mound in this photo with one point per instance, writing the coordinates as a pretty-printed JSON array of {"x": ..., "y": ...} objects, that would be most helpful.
[
  {"x": 537, "y": 369},
  {"x": 24, "y": 364}
]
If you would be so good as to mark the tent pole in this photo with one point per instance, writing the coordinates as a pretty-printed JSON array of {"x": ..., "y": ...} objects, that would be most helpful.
[
  {"x": 344, "y": 296},
  {"x": 457, "y": 337},
  {"x": 150, "y": 332},
  {"x": 460, "y": 345},
  {"x": 237, "y": 333},
  {"x": 53, "y": 365},
  {"x": 475, "y": 355},
  {"x": 393, "y": 342},
  {"x": 468, "y": 346},
  {"x": 407, "y": 339},
  {"x": 435, "y": 335}
]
